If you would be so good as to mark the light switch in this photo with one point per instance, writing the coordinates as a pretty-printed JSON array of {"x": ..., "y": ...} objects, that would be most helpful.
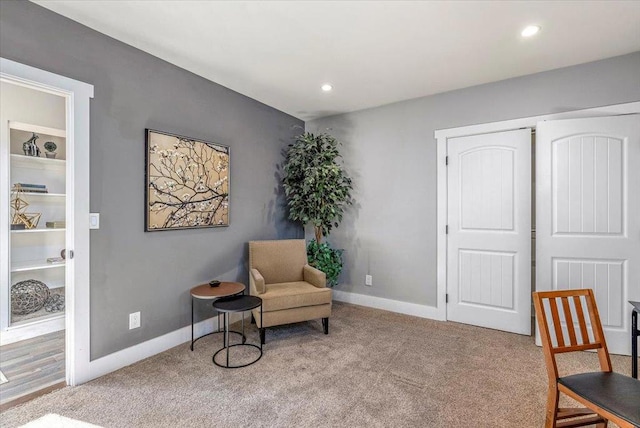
[{"x": 94, "y": 220}]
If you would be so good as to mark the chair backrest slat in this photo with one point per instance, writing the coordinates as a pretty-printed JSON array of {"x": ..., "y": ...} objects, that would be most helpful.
[
  {"x": 581, "y": 322},
  {"x": 553, "y": 305},
  {"x": 569, "y": 320}
]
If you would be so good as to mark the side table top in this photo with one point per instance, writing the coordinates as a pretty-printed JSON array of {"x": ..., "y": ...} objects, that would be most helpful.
[
  {"x": 237, "y": 303},
  {"x": 205, "y": 291}
]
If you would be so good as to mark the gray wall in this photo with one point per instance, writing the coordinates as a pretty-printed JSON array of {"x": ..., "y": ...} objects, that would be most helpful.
[
  {"x": 152, "y": 272},
  {"x": 391, "y": 152}
]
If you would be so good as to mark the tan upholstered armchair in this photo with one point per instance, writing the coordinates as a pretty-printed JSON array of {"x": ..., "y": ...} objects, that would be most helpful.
[{"x": 291, "y": 290}]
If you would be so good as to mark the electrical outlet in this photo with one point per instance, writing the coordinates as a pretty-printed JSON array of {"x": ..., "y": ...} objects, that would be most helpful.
[
  {"x": 368, "y": 280},
  {"x": 134, "y": 320}
]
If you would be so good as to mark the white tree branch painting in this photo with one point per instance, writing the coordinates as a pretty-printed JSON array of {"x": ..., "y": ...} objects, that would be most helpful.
[{"x": 187, "y": 183}]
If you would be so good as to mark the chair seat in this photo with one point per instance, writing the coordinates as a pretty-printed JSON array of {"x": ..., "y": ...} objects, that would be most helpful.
[
  {"x": 287, "y": 295},
  {"x": 616, "y": 393}
]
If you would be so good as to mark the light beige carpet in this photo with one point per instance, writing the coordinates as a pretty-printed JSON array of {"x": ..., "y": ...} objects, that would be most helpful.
[{"x": 374, "y": 369}]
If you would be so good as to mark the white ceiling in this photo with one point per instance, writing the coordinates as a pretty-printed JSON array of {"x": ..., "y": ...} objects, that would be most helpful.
[{"x": 373, "y": 53}]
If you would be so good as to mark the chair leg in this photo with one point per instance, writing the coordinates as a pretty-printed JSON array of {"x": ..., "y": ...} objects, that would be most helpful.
[
  {"x": 552, "y": 407},
  {"x": 325, "y": 325},
  {"x": 253, "y": 319},
  {"x": 262, "y": 336}
]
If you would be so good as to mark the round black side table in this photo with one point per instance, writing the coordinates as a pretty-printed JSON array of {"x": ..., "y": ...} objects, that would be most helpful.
[{"x": 227, "y": 306}]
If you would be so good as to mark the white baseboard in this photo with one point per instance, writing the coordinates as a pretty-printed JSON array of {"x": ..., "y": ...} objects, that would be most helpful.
[
  {"x": 133, "y": 354},
  {"x": 398, "y": 306}
]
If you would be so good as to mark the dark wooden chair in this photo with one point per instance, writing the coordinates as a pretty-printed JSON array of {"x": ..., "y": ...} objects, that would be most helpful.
[{"x": 607, "y": 396}]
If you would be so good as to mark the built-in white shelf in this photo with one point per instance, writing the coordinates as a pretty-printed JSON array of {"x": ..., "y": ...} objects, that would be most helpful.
[
  {"x": 54, "y": 132},
  {"x": 38, "y": 230},
  {"x": 25, "y": 255},
  {"x": 42, "y": 195},
  {"x": 34, "y": 265},
  {"x": 41, "y": 320},
  {"x": 22, "y": 161}
]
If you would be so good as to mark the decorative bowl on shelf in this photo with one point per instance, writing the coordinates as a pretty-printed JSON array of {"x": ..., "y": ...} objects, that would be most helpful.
[{"x": 28, "y": 296}]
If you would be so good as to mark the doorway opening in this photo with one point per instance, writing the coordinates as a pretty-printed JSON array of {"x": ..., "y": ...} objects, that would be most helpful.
[{"x": 32, "y": 307}]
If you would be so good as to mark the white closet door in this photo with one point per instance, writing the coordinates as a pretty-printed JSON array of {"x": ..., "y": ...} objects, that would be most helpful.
[
  {"x": 588, "y": 215},
  {"x": 489, "y": 239}
]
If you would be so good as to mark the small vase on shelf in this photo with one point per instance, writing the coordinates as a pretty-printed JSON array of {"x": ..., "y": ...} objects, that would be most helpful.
[{"x": 50, "y": 148}]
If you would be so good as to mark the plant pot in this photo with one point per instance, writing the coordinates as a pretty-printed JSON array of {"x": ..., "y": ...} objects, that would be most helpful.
[{"x": 51, "y": 155}]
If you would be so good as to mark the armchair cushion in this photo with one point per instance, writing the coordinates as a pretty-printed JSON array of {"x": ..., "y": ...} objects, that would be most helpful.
[
  {"x": 314, "y": 276},
  {"x": 295, "y": 294}
]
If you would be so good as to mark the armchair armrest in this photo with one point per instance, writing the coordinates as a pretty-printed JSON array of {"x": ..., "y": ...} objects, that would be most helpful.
[
  {"x": 258, "y": 281},
  {"x": 314, "y": 276}
]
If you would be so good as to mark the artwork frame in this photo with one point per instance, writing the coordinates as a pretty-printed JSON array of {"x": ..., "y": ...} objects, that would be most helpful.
[{"x": 186, "y": 182}]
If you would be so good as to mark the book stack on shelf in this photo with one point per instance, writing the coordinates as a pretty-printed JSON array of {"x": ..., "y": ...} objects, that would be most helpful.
[
  {"x": 56, "y": 224},
  {"x": 30, "y": 188}
]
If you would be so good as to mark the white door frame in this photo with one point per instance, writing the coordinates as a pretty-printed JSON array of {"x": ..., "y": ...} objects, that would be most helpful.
[
  {"x": 77, "y": 96},
  {"x": 442, "y": 135}
]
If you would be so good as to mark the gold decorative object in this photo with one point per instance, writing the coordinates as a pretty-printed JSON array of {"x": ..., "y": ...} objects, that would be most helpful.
[{"x": 19, "y": 207}]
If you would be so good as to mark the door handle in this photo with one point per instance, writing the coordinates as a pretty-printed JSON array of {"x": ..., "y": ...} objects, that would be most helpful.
[{"x": 70, "y": 254}]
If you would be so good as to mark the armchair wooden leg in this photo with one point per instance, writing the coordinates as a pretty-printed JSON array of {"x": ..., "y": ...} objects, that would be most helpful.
[
  {"x": 262, "y": 335},
  {"x": 325, "y": 325}
]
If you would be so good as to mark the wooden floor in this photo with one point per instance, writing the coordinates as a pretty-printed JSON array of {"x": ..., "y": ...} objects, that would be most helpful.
[{"x": 31, "y": 366}]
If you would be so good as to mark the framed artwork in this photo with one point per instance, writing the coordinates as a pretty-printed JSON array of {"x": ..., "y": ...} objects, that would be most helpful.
[{"x": 186, "y": 183}]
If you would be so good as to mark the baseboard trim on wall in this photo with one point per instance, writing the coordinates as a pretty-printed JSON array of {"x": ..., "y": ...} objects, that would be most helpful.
[
  {"x": 126, "y": 357},
  {"x": 422, "y": 311}
]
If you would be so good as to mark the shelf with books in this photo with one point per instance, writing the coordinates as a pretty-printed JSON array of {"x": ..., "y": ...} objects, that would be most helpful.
[{"x": 31, "y": 265}]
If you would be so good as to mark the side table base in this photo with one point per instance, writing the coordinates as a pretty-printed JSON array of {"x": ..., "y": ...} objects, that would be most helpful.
[
  {"x": 228, "y": 306},
  {"x": 238, "y": 366}
]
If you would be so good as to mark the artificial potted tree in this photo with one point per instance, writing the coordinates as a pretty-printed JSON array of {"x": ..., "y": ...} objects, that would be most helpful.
[{"x": 317, "y": 189}]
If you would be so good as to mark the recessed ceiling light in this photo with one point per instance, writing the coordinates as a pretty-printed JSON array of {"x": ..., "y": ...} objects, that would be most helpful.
[
  {"x": 530, "y": 30},
  {"x": 327, "y": 87}
]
